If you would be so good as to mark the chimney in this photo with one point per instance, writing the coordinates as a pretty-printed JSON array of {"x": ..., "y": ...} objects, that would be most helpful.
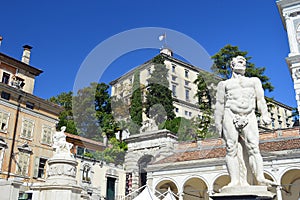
[{"x": 26, "y": 54}]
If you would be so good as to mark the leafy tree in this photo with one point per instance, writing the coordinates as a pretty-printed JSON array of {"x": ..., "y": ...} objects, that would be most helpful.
[
  {"x": 66, "y": 116},
  {"x": 222, "y": 68},
  {"x": 85, "y": 114},
  {"x": 159, "y": 101},
  {"x": 136, "y": 109},
  {"x": 206, "y": 83},
  {"x": 114, "y": 154},
  {"x": 181, "y": 127},
  {"x": 92, "y": 112}
]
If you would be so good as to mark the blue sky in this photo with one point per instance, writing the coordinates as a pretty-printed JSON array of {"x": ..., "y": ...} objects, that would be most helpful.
[{"x": 63, "y": 33}]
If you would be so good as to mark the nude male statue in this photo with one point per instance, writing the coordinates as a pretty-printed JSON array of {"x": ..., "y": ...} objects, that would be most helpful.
[{"x": 235, "y": 119}]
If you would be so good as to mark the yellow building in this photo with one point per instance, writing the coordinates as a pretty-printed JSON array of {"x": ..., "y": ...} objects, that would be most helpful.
[{"x": 26, "y": 122}]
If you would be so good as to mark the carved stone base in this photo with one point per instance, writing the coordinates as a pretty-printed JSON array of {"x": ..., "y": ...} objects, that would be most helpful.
[
  {"x": 244, "y": 193},
  {"x": 62, "y": 169},
  {"x": 57, "y": 192},
  {"x": 61, "y": 180}
]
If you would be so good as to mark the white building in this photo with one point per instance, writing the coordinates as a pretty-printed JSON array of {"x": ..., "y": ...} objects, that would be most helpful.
[
  {"x": 181, "y": 82},
  {"x": 290, "y": 14}
]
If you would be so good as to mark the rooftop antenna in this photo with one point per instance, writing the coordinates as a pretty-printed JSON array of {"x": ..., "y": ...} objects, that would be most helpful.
[
  {"x": 165, "y": 49},
  {"x": 163, "y": 37}
]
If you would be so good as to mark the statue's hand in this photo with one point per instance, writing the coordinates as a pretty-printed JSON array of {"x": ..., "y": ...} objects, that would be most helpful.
[{"x": 266, "y": 120}]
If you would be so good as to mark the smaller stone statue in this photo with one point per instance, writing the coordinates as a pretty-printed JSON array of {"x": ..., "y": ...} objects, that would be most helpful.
[
  {"x": 60, "y": 143},
  {"x": 148, "y": 125}
]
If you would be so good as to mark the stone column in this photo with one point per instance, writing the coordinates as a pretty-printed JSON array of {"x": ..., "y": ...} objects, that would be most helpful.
[
  {"x": 9, "y": 189},
  {"x": 278, "y": 192},
  {"x": 291, "y": 34}
]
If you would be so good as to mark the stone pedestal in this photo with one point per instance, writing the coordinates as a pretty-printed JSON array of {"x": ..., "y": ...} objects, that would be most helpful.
[
  {"x": 9, "y": 189},
  {"x": 61, "y": 181},
  {"x": 244, "y": 193}
]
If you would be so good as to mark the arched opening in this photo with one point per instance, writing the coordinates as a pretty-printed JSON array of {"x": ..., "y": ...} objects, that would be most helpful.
[
  {"x": 163, "y": 186},
  {"x": 220, "y": 182},
  {"x": 195, "y": 189},
  {"x": 290, "y": 183},
  {"x": 143, "y": 163}
]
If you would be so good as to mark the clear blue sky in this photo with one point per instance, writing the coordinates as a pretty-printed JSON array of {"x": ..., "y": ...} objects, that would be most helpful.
[{"x": 63, "y": 33}]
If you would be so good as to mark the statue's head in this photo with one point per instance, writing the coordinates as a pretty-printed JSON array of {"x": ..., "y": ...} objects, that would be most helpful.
[{"x": 238, "y": 65}]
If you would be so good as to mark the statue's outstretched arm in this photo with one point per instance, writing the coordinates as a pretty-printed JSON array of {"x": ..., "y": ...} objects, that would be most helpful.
[
  {"x": 219, "y": 109},
  {"x": 261, "y": 102}
]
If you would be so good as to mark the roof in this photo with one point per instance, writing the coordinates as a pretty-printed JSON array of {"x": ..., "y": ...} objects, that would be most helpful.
[
  {"x": 18, "y": 64},
  {"x": 144, "y": 65},
  {"x": 85, "y": 142},
  {"x": 41, "y": 103},
  {"x": 279, "y": 140}
]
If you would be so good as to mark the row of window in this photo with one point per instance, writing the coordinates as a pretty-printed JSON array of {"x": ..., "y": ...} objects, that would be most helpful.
[
  {"x": 186, "y": 72},
  {"x": 16, "y": 81},
  {"x": 6, "y": 96},
  {"x": 23, "y": 162},
  {"x": 187, "y": 93},
  {"x": 27, "y": 129},
  {"x": 186, "y": 113}
]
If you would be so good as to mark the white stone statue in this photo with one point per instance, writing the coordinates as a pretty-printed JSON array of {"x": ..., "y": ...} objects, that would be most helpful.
[
  {"x": 60, "y": 143},
  {"x": 236, "y": 122}
]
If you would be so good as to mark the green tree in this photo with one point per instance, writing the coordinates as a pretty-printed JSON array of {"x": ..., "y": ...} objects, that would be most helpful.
[
  {"x": 92, "y": 112},
  {"x": 183, "y": 128},
  {"x": 136, "y": 109},
  {"x": 206, "y": 83},
  {"x": 159, "y": 101},
  {"x": 114, "y": 154},
  {"x": 66, "y": 116},
  {"x": 222, "y": 68}
]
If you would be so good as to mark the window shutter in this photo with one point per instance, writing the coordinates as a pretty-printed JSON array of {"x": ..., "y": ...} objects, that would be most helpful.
[{"x": 36, "y": 167}]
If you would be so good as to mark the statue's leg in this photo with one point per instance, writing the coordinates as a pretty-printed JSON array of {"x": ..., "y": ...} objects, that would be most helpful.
[
  {"x": 231, "y": 139},
  {"x": 252, "y": 143}
]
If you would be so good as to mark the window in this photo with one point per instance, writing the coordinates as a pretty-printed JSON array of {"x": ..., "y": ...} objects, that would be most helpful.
[
  {"x": 40, "y": 167},
  {"x": 47, "y": 135},
  {"x": 173, "y": 78},
  {"x": 29, "y": 105},
  {"x": 186, "y": 73},
  {"x": 190, "y": 114},
  {"x": 173, "y": 68},
  {"x": 5, "y": 78},
  {"x": 187, "y": 94},
  {"x": 280, "y": 124},
  {"x": 3, "y": 121},
  {"x": 27, "y": 128},
  {"x": 273, "y": 123},
  {"x": 86, "y": 172},
  {"x": 174, "y": 90},
  {"x": 1, "y": 156},
  {"x": 23, "y": 163},
  {"x": 5, "y": 95},
  {"x": 80, "y": 151},
  {"x": 186, "y": 83},
  {"x": 177, "y": 110},
  {"x": 186, "y": 113}
]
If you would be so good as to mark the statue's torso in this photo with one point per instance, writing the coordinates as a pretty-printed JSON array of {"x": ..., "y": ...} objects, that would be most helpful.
[{"x": 240, "y": 95}]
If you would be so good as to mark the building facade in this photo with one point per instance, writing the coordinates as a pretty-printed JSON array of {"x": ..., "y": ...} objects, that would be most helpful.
[
  {"x": 290, "y": 14},
  {"x": 181, "y": 76},
  {"x": 27, "y": 122}
]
